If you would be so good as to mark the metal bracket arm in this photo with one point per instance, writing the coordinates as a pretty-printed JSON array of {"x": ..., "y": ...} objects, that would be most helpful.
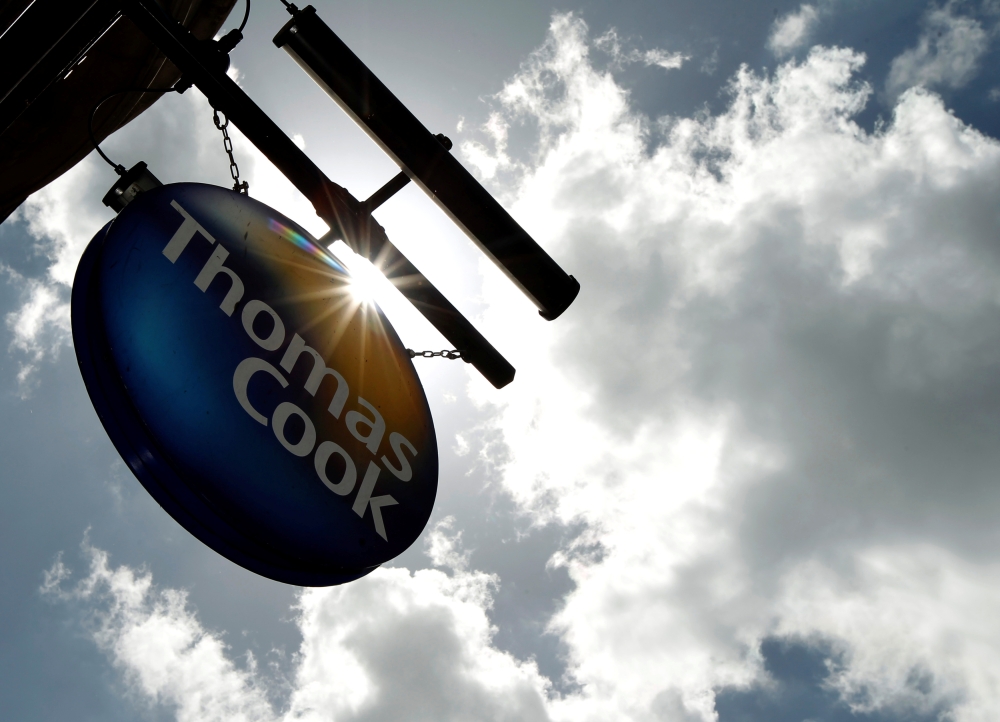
[
  {"x": 426, "y": 160},
  {"x": 344, "y": 213}
]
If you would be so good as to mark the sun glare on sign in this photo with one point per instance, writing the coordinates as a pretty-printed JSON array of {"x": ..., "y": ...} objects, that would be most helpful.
[
  {"x": 363, "y": 283},
  {"x": 367, "y": 282}
]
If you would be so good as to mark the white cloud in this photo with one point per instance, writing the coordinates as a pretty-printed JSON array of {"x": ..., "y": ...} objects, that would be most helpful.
[
  {"x": 947, "y": 54},
  {"x": 62, "y": 223},
  {"x": 444, "y": 546},
  {"x": 159, "y": 645},
  {"x": 780, "y": 314},
  {"x": 402, "y": 645},
  {"x": 792, "y": 31},
  {"x": 40, "y": 327},
  {"x": 611, "y": 44},
  {"x": 911, "y": 614},
  {"x": 489, "y": 160},
  {"x": 392, "y": 646},
  {"x": 663, "y": 59}
]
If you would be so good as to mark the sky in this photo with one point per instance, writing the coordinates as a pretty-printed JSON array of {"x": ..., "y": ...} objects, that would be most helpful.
[{"x": 750, "y": 475}]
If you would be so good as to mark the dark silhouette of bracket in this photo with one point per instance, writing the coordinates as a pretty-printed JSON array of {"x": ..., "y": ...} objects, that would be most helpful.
[
  {"x": 426, "y": 160},
  {"x": 347, "y": 217},
  {"x": 52, "y": 35}
]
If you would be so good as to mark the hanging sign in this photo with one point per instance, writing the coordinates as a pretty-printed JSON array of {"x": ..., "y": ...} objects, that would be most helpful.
[{"x": 266, "y": 407}]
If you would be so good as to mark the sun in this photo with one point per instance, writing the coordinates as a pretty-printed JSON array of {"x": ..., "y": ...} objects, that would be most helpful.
[
  {"x": 367, "y": 282},
  {"x": 363, "y": 286}
]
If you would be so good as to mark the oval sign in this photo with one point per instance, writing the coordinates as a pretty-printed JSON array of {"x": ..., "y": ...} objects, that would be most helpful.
[{"x": 269, "y": 410}]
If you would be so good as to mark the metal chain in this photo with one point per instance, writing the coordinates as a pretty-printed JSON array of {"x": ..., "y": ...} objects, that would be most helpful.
[
  {"x": 453, "y": 354},
  {"x": 227, "y": 143}
]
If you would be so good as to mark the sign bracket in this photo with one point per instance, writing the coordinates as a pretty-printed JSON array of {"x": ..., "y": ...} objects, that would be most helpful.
[
  {"x": 396, "y": 183},
  {"x": 391, "y": 188},
  {"x": 424, "y": 157},
  {"x": 348, "y": 218}
]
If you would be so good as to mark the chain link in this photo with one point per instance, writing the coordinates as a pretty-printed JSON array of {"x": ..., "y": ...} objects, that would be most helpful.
[
  {"x": 453, "y": 354},
  {"x": 227, "y": 143}
]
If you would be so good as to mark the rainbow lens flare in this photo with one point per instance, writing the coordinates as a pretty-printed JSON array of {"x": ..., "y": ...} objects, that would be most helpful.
[{"x": 293, "y": 236}]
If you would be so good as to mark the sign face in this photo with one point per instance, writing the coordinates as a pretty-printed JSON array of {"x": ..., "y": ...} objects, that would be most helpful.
[{"x": 267, "y": 408}]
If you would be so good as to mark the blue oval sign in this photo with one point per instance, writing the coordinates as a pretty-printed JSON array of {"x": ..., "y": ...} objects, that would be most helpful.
[{"x": 271, "y": 412}]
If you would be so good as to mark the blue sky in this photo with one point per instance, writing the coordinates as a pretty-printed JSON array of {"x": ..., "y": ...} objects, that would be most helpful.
[{"x": 750, "y": 475}]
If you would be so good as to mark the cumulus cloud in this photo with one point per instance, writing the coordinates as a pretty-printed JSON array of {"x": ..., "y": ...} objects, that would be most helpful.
[
  {"x": 792, "y": 31},
  {"x": 782, "y": 362},
  {"x": 923, "y": 638},
  {"x": 947, "y": 54},
  {"x": 40, "y": 327},
  {"x": 157, "y": 642},
  {"x": 61, "y": 224},
  {"x": 394, "y": 646},
  {"x": 490, "y": 158},
  {"x": 444, "y": 546},
  {"x": 409, "y": 646},
  {"x": 612, "y": 44}
]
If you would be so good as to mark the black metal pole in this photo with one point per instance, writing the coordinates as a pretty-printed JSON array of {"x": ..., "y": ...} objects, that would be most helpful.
[
  {"x": 422, "y": 157},
  {"x": 333, "y": 203}
]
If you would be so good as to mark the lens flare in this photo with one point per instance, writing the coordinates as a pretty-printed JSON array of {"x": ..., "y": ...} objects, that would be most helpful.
[
  {"x": 368, "y": 284},
  {"x": 293, "y": 236}
]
